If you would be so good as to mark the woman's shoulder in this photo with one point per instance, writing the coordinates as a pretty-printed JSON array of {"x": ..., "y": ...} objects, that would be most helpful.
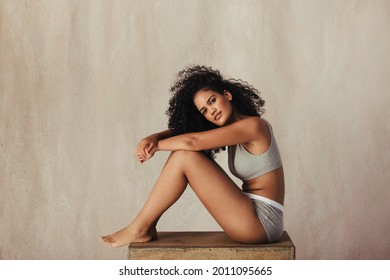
[
  {"x": 257, "y": 121},
  {"x": 255, "y": 124},
  {"x": 262, "y": 139},
  {"x": 253, "y": 121},
  {"x": 258, "y": 125}
]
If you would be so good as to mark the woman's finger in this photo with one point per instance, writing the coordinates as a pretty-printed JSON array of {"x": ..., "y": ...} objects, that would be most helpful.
[{"x": 150, "y": 148}]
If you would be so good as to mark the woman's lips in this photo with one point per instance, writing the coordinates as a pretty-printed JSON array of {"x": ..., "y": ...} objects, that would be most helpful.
[{"x": 218, "y": 116}]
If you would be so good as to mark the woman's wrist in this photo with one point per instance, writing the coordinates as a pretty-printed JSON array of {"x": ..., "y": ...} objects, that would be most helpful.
[{"x": 155, "y": 148}]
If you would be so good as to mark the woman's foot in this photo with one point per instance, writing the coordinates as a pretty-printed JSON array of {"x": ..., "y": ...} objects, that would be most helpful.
[{"x": 128, "y": 235}]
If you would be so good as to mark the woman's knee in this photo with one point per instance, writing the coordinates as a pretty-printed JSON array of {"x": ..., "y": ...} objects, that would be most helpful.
[{"x": 188, "y": 159}]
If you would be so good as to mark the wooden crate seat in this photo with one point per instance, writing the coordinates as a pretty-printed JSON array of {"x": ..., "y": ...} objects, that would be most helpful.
[{"x": 209, "y": 246}]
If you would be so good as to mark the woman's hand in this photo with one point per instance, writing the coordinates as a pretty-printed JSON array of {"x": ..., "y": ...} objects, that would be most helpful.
[{"x": 146, "y": 148}]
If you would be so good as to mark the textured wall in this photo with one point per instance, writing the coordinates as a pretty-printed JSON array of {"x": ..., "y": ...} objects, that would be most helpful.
[{"x": 82, "y": 81}]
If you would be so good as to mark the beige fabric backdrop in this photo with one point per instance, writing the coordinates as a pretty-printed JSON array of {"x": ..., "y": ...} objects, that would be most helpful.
[{"x": 82, "y": 81}]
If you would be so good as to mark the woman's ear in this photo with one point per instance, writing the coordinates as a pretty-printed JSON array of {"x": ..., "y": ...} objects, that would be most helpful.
[{"x": 228, "y": 95}]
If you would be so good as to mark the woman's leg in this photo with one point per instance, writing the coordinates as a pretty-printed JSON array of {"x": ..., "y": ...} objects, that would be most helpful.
[
  {"x": 168, "y": 188},
  {"x": 232, "y": 210},
  {"x": 223, "y": 199}
]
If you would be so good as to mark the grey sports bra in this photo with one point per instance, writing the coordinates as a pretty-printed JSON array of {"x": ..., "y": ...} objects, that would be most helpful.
[{"x": 246, "y": 166}]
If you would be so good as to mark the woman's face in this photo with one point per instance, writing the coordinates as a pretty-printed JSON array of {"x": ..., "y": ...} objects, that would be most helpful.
[{"x": 215, "y": 107}]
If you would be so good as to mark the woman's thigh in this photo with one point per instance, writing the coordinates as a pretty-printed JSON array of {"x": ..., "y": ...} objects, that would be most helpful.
[{"x": 224, "y": 200}]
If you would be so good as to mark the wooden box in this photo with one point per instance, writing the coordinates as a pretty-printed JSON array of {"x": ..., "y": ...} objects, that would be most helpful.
[{"x": 209, "y": 246}]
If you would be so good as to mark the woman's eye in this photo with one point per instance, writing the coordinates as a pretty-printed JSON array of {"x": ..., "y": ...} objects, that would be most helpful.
[
  {"x": 204, "y": 112},
  {"x": 212, "y": 100}
]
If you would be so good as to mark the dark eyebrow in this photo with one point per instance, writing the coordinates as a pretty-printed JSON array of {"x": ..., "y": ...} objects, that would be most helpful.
[{"x": 208, "y": 101}]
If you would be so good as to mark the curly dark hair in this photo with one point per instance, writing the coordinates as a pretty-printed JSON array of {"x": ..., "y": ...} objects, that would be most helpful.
[{"x": 183, "y": 115}]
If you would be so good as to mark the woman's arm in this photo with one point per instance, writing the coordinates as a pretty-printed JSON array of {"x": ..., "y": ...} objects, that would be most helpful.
[
  {"x": 163, "y": 134},
  {"x": 242, "y": 131}
]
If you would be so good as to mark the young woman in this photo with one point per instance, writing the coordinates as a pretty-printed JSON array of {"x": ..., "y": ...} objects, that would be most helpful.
[{"x": 206, "y": 114}]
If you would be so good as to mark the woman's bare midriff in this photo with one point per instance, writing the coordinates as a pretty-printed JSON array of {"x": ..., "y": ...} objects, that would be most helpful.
[{"x": 269, "y": 185}]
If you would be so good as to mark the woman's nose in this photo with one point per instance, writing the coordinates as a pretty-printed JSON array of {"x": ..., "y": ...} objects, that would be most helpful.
[{"x": 213, "y": 111}]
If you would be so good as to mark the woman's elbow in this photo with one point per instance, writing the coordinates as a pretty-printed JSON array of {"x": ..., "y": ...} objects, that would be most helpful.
[{"x": 191, "y": 143}]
